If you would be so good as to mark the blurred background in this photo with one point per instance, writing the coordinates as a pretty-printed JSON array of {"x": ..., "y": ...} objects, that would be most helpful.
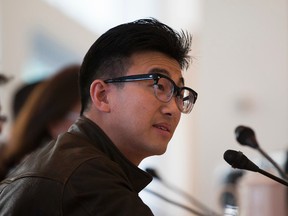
[{"x": 240, "y": 52}]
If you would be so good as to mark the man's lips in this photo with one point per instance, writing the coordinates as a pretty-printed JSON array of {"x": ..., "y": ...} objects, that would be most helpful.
[{"x": 163, "y": 126}]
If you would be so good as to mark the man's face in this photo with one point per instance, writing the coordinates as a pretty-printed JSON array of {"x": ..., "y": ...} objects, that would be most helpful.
[{"x": 141, "y": 125}]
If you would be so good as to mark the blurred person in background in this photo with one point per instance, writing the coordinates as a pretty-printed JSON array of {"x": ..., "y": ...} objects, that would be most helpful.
[
  {"x": 50, "y": 109},
  {"x": 3, "y": 80},
  {"x": 21, "y": 95}
]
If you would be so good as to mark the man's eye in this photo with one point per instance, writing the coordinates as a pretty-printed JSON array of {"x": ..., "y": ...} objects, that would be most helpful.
[{"x": 160, "y": 87}]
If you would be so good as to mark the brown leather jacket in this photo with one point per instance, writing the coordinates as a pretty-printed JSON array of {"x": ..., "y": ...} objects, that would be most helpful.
[{"x": 81, "y": 173}]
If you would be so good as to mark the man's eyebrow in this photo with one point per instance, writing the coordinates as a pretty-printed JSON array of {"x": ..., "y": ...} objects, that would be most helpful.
[
  {"x": 165, "y": 72},
  {"x": 159, "y": 70}
]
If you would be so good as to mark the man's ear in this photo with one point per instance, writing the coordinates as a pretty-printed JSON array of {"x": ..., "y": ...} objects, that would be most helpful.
[{"x": 98, "y": 94}]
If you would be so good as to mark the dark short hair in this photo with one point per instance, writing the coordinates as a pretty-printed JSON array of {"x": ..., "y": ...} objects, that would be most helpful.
[{"x": 110, "y": 54}]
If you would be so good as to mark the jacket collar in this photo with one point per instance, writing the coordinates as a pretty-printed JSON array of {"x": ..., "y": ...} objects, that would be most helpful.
[{"x": 89, "y": 130}]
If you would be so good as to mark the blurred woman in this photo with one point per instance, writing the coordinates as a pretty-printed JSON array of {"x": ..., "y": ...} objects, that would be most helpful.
[
  {"x": 50, "y": 110},
  {"x": 3, "y": 80}
]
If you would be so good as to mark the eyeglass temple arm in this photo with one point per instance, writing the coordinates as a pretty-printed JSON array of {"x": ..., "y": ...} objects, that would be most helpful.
[{"x": 126, "y": 79}]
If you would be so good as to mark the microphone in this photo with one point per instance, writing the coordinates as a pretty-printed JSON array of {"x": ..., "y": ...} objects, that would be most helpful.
[
  {"x": 240, "y": 161},
  {"x": 246, "y": 136},
  {"x": 194, "y": 201}
]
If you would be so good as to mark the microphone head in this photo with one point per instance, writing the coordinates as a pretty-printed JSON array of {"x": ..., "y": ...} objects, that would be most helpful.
[
  {"x": 239, "y": 160},
  {"x": 246, "y": 136}
]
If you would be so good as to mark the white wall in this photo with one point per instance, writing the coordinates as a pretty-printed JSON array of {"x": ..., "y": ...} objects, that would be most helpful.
[{"x": 243, "y": 80}]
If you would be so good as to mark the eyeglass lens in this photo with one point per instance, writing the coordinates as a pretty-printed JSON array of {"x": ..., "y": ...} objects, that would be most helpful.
[
  {"x": 164, "y": 91},
  {"x": 185, "y": 100}
]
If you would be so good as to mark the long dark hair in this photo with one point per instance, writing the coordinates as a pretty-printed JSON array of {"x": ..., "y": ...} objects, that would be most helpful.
[{"x": 49, "y": 101}]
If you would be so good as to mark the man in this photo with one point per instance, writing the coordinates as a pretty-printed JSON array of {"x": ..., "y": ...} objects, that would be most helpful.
[{"x": 132, "y": 95}]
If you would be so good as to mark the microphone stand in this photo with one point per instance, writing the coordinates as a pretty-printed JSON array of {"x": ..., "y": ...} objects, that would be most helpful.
[
  {"x": 280, "y": 171},
  {"x": 182, "y": 193},
  {"x": 175, "y": 203},
  {"x": 190, "y": 198},
  {"x": 273, "y": 177}
]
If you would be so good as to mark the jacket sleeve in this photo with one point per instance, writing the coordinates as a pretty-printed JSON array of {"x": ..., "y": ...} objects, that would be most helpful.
[{"x": 100, "y": 187}]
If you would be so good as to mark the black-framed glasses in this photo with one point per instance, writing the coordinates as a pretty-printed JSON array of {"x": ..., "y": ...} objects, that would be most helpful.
[{"x": 164, "y": 89}]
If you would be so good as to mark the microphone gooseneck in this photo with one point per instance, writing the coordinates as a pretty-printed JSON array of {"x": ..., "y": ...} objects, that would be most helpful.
[
  {"x": 246, "y": 136},
  {"x": 193, "y": 200},
  {"x": 240, "y": 161}
]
